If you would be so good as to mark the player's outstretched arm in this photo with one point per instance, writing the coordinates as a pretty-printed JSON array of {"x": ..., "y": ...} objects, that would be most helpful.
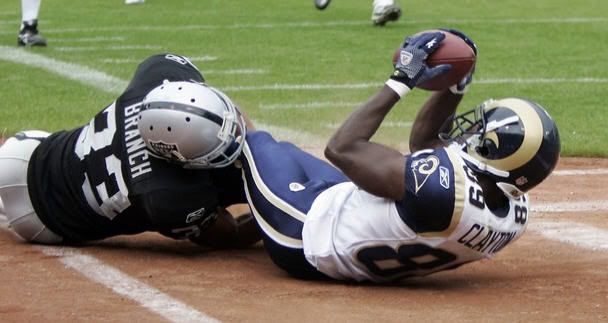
[
  {"x": 440, "y": 107},
  {"x": 376, "y": 168},
  {"x": 428, "y": 123},
  {"x": 230, "y": 232}
]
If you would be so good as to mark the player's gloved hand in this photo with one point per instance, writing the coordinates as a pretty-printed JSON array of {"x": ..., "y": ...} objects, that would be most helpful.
[
  {"x": 462, "y": 86},
  {"x": 464, "y": 37},
  {"x": 411, "y": 68}
]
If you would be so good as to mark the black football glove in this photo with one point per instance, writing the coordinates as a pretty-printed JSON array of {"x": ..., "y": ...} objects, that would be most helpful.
[
  {"x": 411, "y": 68},
  {"x": 462, "y": 86}
]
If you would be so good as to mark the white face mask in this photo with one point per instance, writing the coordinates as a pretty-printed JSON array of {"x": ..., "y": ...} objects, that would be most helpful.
[{"x": 510, "y": 190}]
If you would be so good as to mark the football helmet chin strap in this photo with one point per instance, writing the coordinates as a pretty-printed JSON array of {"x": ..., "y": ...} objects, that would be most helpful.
[{"x": 509, "y": 189}]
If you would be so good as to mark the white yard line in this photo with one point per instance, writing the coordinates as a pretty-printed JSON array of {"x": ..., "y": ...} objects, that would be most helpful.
[
  {"x": 122, "y": 284},
  {"x": 385, "y": 124},
  {"x": 205, "y": 58},
  {"x": 336, "y": 23},
  {"x": 302, "y": 87},
  {"x": 570, "y": 207},
  {"x": 236, "y": 71},
  {"x": 96, "y": 39},
  {"x": 579, "y": 172},
  {"x": 100, "y": 48},
  {"x": 75, "y": 72},
  {"x": 542, "y": 80},
  {"x": 309, "y": 105},
  {"x": 302, "y": 139},
  {"x": 581, "y": 235},
  {"x": 120, "y": 60}
]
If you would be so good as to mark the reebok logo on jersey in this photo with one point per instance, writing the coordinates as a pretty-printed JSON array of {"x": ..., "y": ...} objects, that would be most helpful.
[
  {"x": 195, "y": 215},
  {"x": 444, "y": 177}
]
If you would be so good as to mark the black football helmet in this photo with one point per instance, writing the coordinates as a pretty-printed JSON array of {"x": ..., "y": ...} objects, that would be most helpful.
[{"x": 512, "y": 140}]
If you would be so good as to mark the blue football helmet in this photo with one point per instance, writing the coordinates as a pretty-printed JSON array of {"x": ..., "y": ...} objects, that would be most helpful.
[{"x": 512, "y": 140}]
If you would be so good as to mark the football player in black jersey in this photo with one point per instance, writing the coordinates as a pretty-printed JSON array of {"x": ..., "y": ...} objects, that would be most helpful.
[{"x": 159, "y": 158}]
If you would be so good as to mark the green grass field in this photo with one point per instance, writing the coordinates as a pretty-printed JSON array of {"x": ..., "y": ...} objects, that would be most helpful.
[{"x": 290, "y": 65}]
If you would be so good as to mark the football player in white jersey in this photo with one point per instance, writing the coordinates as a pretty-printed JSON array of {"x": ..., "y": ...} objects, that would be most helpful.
[{"x": 381, "y": 216}]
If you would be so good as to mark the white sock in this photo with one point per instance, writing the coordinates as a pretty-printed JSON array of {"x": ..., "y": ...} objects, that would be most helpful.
[
  {"x": 29, "y": 10},
  {"x": 382, "y": 3}
]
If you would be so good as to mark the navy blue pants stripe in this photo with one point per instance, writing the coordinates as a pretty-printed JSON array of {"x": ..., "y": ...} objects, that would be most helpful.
[
  {"x": 279, "y": 165},
  {"x": 280, "y": 221}
]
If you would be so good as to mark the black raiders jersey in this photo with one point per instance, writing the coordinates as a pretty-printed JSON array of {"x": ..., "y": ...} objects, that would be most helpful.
[{"x": 99, "y": 180}]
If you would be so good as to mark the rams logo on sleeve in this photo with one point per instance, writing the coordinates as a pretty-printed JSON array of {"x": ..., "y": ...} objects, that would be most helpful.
[
  {"x": 422, "y": 169},
  {"x": 430, "y": 201}
]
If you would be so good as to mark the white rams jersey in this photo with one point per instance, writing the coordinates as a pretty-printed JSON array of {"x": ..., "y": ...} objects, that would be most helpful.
[{"x": 441, "y": 223}]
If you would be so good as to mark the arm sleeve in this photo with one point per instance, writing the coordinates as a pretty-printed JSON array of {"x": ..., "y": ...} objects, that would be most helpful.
[
  {"x": 229, "y": 184},
  {"x": 181, "y": 204},
  {"x": 429, "y": 201}
]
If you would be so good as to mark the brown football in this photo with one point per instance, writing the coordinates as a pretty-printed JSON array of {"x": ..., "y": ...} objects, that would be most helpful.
[{"x": 452, "y": 50}]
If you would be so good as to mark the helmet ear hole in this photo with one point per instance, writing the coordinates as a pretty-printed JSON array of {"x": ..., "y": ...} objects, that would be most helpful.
[{"x": 484, "y": 150}]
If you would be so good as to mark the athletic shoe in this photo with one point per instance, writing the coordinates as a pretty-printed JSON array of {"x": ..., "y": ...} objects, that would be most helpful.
[
  {"x": 29, "y": 35},
  {"x": 134, "y": 1},
  {"x": 382, "y": 15},
  {"x": 322, "y": 4}
]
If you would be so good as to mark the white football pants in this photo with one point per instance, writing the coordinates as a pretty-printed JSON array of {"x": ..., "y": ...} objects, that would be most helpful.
[{"x": 22, "y": 219}]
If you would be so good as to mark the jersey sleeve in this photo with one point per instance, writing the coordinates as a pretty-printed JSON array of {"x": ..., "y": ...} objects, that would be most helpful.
[
  {"x": 433, "y": 184},
  {"x": 229, "y": 184},
  {"x": 179, "y": 200}
]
